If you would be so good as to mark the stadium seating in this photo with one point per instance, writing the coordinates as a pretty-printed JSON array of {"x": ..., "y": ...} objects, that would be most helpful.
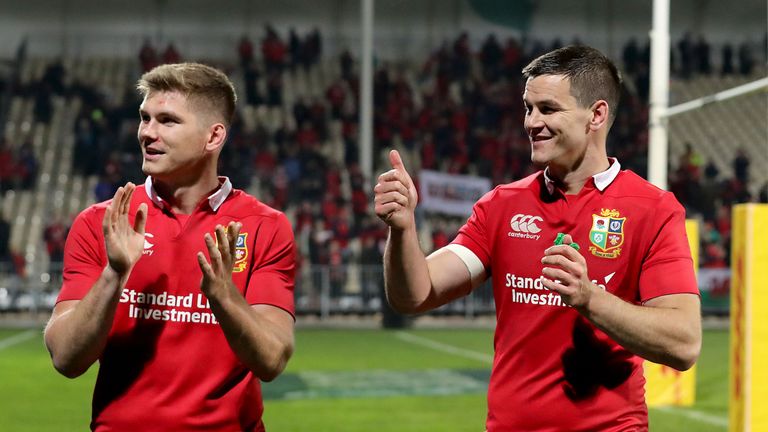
[{"x": 345, "y": 284}]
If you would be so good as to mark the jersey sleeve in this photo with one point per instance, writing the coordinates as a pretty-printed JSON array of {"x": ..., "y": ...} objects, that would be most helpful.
[
  {"x": 272, "y": 277},
  {"x": 84, "y": 256},
  {"x": 668, "y": 266},
  {"x": 474, "y": 234}
]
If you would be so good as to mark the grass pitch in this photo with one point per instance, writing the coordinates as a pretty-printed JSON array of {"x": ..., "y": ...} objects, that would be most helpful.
[{"x": 346, "y": 380}]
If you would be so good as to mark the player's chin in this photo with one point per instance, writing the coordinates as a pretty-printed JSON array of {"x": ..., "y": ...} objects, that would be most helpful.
[
  {"x": 539, "y": 159},
  {"x": 150, "y": 166}
]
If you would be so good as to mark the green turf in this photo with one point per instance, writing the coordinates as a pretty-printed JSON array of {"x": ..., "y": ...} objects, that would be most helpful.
[
  {"x": 36, "y": 398},
  {"x": 33, "y": 397},
  {"x": 711, "y": 391},
  {"x": 318, "y": 349}
]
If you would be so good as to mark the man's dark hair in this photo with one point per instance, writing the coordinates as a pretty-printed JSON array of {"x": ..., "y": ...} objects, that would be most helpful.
[{"x": 593, "y": 76}]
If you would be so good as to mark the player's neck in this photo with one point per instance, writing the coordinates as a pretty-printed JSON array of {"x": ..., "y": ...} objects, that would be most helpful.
[
  {"x": 572, "y": 179},
  {"x": 184, "y": 196}
]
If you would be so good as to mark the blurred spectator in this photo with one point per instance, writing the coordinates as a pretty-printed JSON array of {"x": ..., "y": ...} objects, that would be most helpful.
[
  {"x": 88, "y": 158},
  {"x": 746, "y": 59},
  {"x": 762, "y": 194},
  {"x": 711, "y": 171},
  {"x": 27, "y": 166},
  {"x": 703, "y": 56},
  {"x": 273, "y": 51},
  {"x": 55, "y": 235},
  {"x": 335, "y": 95},
  {"x": 460, "y": 61},
  {"x": 5, "y": 248},
  {"x": 53, "y": 77},
  {"x": 171, "y": 54},
  {"x": 7, "y": 167},
  {"x": 691, "y": 160},
  {"x": 245, "y": 51},
  {"x": 512, "y": 59},
  {"x": 686, "y": 51},
  {"x": 148, "y": 56},
  {"x": 726, "y": 66},
  {"x": 43, "y": 108},
  {"x": 714, "y": 256},
  {"x": 631, "y": 56},
  {"x": 294, "y": 48},
  {"x": 107, "y": 185},
  {"x": 274, "y": 89},
  {"x": 491, "y": 56},
  {"x": 311, "y": 49},
  {"x": 347, "y": 64},
  {"x": 741, "y": 166}
]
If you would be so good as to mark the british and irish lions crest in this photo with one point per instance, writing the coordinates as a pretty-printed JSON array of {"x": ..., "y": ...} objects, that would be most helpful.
[
  {"x": 241, "y": 253},
  {"x": 607, "y": 234}
]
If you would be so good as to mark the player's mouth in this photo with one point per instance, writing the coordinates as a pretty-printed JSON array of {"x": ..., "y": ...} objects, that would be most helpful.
[
  {"x": 539, "y": 139},
  {"x": 151, "y": 154}
]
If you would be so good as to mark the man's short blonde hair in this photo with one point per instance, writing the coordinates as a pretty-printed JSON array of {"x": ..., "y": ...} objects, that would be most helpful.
[{"x": 207, "y": 87}]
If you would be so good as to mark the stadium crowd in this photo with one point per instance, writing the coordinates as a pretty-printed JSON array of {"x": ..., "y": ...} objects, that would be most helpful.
[{"x": 458, "y": 112}]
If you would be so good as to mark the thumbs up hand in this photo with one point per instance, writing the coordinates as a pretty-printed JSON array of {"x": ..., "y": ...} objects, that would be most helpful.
[{"x": 395, "y": 195}]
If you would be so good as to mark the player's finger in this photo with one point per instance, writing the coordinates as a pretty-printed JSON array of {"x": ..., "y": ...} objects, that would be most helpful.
[
  {"x": 106, "y": 223},
  {"x": 213, "y": 252},
  {"x": 140, "y": 223},
  {"x": 115, "y": 205},
  {"x": 234, "y": 232},
  {"x": 555, "y": 277},
  {"x": 558, "y": 274},
  {"x": 564, "y": 249},
  {"x": 385, "y": 211},
  {"x": 204, "y": 266},
  {"x": 125, "y": 202},
  {"x": 563, "y": 290},
  {"x": 397, "y": 163},
  {"x": 391, "y": 185},
  {"x": 567, "y": 239},
  {"x": 563, "y": 261},
  {"x": 389, "y": 197},
  {"x": 222, "y": 240}
]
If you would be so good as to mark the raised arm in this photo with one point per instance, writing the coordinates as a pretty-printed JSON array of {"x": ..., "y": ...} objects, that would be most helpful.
[
  {"x": 77, "y": 331},
  {"x": 664, "y": 330},
  {"x": 260, "y": 335},
  {"x": 414, "y": 283}
]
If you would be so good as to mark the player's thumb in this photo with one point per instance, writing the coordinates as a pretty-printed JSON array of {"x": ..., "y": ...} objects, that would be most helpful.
[
  {"x": 567, "y": 239},
  {"x": 397, "y": 162}
]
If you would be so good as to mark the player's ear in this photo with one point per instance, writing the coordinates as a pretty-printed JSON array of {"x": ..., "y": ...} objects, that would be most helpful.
[
  {"x": 217, "y": 135},
  {"x": 600, "y": 113}
]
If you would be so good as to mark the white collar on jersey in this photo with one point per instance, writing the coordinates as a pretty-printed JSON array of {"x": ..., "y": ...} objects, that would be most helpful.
[
  {"x": 215, "y": 200},
  {"x": 602, "y": 179}
]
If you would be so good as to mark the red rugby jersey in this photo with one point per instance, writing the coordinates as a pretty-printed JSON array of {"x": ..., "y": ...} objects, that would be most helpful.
[
  {"x": 553, "y": 370},
  {"x": 167, "y": 365}
]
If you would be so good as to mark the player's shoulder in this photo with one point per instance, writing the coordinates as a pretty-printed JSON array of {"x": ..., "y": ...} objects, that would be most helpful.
[
  {"x": 503, "y": 194},
  {"x": 631, "y": 186},
  {"x": 527, "y": 184},
  {"x": 95, "y": 210},
  {"x": 243, "y": 204}
]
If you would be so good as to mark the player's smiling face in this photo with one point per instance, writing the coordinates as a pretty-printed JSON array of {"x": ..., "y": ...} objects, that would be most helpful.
[
  {"x": 171, "y": 135},
  {"x": 556, "y": 124}
]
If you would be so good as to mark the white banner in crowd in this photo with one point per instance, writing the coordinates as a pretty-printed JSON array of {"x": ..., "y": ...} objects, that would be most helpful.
[{"x": 450, "y": 194}]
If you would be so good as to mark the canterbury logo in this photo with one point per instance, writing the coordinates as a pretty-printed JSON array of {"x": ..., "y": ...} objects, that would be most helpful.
[
  {"x": 525, "y": 223},
  {"x": 147, "y": 245}
]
